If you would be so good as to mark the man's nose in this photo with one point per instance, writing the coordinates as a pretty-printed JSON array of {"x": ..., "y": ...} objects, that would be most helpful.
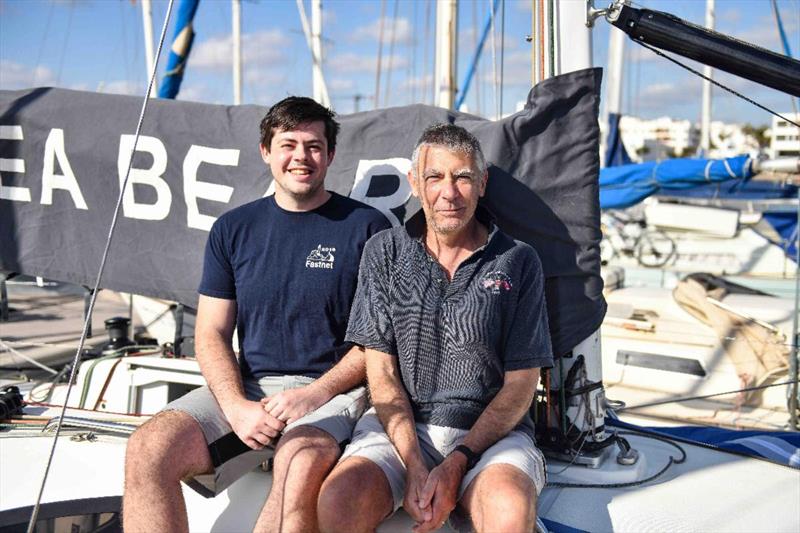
[
  {"x": 449, "y": 189},
  {"x": 300, "y": 153}
]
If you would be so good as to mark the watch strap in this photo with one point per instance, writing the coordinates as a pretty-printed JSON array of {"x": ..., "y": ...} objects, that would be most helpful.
[{"x": 472, "y": 457}]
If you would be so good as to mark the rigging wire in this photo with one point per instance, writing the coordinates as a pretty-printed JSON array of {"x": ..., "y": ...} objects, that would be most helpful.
[
  {"x": 718, "y": 84},
  {"x": 66, "y": 40},
  {"x": 411, "y": 70},
  {"x": 425, "y": 47},
  {"x": 502, "y": 52},
  {"x": 704, "y": 396},
  {"x": 389, "y": 67},
  {"x": 786, "y": 48},
  {"x": 494, "y": 61},
  {"x": 477, "y": 65},
  {"x": 84, "y": 333},
  {"x": 42, "y": 43},
  {"x": 380, "y": 56}
]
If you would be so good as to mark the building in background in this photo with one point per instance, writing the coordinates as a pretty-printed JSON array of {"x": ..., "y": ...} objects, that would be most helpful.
[
  {"x": 664, "y": 138},
  {"x": 784, "y": 137}
]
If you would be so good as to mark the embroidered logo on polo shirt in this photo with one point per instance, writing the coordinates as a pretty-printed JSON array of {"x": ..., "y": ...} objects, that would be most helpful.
[
  {"x": 496, "y": 281},
  {"x": 321, "y": 257}
]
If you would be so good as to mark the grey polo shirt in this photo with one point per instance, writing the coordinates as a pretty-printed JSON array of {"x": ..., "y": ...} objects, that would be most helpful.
[{"x": 454, "y": 339}]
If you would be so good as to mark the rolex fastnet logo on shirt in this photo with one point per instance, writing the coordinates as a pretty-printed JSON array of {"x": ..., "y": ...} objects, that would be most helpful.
[
  {"x": 321, "y": 257},
  {"x": 496, "y": 281}
]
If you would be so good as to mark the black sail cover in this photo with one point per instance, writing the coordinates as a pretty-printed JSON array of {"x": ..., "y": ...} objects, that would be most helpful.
[{"x": 64, "y": 155}]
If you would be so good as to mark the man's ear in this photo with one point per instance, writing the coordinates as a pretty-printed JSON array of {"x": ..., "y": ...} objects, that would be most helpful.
[
  {"x": 330, "y": 156},
  {"x": 264, "y": 153},
  {"x": 413, "y": 183},
  {"x": 484, "y": 181}
]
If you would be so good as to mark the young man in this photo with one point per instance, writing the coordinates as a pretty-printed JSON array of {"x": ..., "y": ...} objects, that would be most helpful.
[
  {"x": 452, "y": 316},
  {"x": 283, "y": 270}
]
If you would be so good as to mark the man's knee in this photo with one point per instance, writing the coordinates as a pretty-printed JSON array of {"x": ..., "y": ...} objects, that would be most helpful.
[
  {"x": 307, "y": 447},
  {"x": 355, "y": 497},
  {"x": 169, "y": 445},
  {"x": 502, "y": 498}
]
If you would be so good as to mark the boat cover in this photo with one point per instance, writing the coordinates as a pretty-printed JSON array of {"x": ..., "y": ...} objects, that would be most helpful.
[
  {"x": 759, "y": 351},
  {"x": 64, "y": 154},
  {"x": 626, "y": 185}
]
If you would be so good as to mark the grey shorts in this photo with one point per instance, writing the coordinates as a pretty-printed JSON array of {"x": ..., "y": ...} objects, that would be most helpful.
[
  {"x": 231, "y": 457},
  {"x": 370, "y": 441}
]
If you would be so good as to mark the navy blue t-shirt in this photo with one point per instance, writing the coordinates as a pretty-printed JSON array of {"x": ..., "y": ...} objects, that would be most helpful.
[{"x": 293, "y": 276}]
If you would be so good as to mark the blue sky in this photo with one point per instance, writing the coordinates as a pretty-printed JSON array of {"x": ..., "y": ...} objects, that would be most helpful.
[{"x": 97, "y": 45}]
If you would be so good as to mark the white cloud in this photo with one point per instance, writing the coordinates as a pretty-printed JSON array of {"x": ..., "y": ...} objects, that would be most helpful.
[
  {"x": 639, "y": 54},
  {"x": 763, "y": 32},
  {"x": 122, "y": 87},
  {"x": 351, "y": 63},
  {"x": 341, "y": 84},
  {"x": 258, "y": 76},
  {"x": 732, "y": 16},
  {"x": 371, "y": 31},
  {"x": 419, "y": 82},
  {"x": 468, "y": 38},
  {"x": 194, "y": 93},
  {"x": 261, "y": 48},
  {"x": 15, "y": 76}
]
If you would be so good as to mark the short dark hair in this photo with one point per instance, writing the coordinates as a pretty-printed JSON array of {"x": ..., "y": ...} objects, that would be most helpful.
[
  {"x": 452, "y": 137},
  {"x": 290, "y": 112}
]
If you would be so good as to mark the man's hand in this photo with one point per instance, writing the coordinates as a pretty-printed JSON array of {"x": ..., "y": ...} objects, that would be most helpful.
[
  {"x": 290, "y": 405},
  {"x": 253, "y": 425},
  {"x": 440, "y": 493},
  {"x": 416, "y": 476}
]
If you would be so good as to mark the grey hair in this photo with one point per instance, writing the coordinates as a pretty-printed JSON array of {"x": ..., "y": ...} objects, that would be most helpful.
[{"x": 454, "y": 138}]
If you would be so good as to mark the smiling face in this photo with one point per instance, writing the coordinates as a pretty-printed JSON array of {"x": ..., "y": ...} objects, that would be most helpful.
[
  {"x": 448, "y": 186},
  {"x": 299, "y": 159}
]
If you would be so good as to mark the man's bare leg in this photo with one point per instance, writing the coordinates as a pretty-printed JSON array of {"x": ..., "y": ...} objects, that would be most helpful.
[
  {"x": 501, "y": 498},
  {"x": 355, "y": 498},
  {"x": 167, "y": 448},
  {"x": 304, "y": 456}
]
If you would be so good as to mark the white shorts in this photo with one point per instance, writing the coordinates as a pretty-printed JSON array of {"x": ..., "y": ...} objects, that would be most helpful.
[
  {"x": 231, "y": 457},
  {"x": 370, "y": 441}
]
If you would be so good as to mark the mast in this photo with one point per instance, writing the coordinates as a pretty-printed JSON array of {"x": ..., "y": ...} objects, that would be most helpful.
[
  {"x": 318, "y": 81},
  {"x": 236, "y": 18},
  {"x": 446, "y": 57},
  {"x": 708, "y": 72},
  {"x": 314, "y": 40},
  {"x": 147, "y": 19},
  {"x": 613, "y": 97}
]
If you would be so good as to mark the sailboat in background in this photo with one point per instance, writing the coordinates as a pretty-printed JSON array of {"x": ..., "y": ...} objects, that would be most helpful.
[{"x": 730, "y": 217}]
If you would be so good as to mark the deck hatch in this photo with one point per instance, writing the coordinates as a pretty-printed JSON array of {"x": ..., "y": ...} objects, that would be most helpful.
[{"x": 656, "y": 361}]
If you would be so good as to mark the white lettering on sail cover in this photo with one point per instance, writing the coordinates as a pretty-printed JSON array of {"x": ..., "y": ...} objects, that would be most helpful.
[
  {"x": 193, "y": 189},
  {"x": 7, "y": 192},
  {"x": 366, "y": 172},
  {"x": 54, "y": 149},
  {"x": 151, "y": 176}
]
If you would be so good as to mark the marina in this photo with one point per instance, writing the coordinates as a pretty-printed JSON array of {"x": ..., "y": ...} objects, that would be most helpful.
[{"x": 673, "y": 399}]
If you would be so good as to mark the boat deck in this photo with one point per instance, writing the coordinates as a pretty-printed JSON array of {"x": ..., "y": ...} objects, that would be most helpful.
[{"x": 45, "y": 324}]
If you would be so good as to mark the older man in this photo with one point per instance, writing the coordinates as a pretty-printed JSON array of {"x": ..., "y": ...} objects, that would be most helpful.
[{"x": 451, "y": 313}]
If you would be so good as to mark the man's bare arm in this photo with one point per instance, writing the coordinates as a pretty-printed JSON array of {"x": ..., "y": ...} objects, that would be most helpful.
[
  {"x": 292, "y": 404},
  {"x": 394, "y": 410},
  {"x": 505, "y": 411},
  {"x": 213, "y": 333}
]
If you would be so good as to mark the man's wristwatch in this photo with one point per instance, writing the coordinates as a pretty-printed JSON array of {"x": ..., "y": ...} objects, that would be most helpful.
[{"x": 472, "y": 457}]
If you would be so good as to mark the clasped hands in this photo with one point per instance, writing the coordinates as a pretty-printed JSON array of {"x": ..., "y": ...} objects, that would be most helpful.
[
  {"x": 258, "y": 424},
  {"x": 431, "y": 496}
]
